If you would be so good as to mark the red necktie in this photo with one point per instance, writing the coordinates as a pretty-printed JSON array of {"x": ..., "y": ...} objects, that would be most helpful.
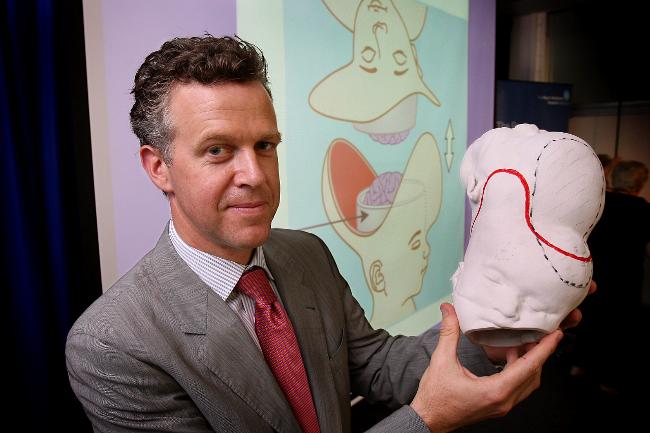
[{"x": 280, "y": 347}]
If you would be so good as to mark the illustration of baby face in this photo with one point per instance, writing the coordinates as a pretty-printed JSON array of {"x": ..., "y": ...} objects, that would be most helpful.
[
  {"x": 535, "y": 198},
  {"x": 377, "y": 90},
  {"x": 396, "y": 255},
  {"x": 388, "y": 235},
  {"x": 381, "y": 42}
]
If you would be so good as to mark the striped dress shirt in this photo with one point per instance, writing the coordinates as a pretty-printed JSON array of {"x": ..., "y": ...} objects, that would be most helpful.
[{"x": 222, "y": 275}]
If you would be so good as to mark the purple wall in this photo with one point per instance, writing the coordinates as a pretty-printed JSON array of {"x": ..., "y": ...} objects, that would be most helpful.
[
  {"x": 131, "y": 30},
  {"x": 480, "y": 76}
]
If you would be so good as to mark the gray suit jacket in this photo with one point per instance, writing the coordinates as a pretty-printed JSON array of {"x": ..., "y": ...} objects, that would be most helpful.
[{"x": 160, "y": 351}]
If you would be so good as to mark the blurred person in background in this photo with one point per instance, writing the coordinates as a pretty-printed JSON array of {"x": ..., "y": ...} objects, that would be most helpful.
[
  {"x": 615, "y": 313},
  {"x": 608, "y": 164}
]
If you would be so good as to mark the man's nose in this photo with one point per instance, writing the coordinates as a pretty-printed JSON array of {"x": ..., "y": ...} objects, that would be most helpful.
[{"x": 248, "y": 170}]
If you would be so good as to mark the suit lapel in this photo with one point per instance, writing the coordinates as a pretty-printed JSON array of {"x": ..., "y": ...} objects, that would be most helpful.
[
  {"x": 230, "y": 353},
  {"x": 301, "y": 306}
]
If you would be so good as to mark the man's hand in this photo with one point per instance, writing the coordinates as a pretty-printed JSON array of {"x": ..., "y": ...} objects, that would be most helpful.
[{"x": 450, "y": 396}]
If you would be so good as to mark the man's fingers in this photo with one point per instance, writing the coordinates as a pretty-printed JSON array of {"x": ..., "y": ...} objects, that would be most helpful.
[
  {"x": 449, "y": 331},
  {"x": 511, "y": 355},
  {"x": 528, "y": 387},
  {"x": 572, "y": 319},
  {"x": 521, "y": 370},
  {"x": 592, "y": 287}
]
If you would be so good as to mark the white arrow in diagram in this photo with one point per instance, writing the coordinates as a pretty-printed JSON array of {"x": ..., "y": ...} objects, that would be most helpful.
[{"x": 449, "y": 138}]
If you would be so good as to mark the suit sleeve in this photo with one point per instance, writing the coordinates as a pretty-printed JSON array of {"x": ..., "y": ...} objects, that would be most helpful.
[
  {"x": 120, "y": 393},
  {"x": 387, "y": 369}
]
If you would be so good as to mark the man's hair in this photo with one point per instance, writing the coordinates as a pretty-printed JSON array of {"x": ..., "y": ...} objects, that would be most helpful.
[
  {"x": 206, "y": 60},
  {"x": 629, "y": 176}
]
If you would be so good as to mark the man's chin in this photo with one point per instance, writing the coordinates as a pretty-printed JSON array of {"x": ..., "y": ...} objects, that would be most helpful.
[{"x": 253, "y": 237}]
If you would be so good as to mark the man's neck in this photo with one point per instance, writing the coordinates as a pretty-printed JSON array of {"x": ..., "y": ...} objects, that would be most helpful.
[{"x": 241, "y": 256}]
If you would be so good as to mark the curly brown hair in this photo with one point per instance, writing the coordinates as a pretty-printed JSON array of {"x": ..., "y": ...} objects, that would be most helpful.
[{"x": 206, "y": 60}]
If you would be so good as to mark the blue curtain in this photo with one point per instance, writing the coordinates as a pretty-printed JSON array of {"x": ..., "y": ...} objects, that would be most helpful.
[{"x": 50, "y": 255}]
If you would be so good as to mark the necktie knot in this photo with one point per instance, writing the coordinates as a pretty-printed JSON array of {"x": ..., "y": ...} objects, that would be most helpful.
[{"x": 254, "y": 283}]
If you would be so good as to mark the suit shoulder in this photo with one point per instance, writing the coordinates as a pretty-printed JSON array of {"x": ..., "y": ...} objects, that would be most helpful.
[
  {"x": 302, "y": 246},
  {"x": 125, "y": 299},
  {"x": 288, "y": 237}
]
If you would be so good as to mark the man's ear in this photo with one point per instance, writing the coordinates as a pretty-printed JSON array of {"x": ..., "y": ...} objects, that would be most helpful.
[{"x": 156, "y": 168}]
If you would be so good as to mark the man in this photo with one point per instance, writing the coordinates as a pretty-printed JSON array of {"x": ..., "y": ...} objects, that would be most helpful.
[{"x": 182, "y": 342}]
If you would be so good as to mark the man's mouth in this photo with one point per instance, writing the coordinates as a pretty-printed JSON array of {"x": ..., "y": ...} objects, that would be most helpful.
[{"x": 248, "y": 207}]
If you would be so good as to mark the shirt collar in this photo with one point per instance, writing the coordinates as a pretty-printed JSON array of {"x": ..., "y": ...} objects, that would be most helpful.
[{"x": 219, "y": 274}]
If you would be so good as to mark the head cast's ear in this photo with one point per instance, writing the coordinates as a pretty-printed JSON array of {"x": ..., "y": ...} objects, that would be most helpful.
[{"x": 473, "y": 188}]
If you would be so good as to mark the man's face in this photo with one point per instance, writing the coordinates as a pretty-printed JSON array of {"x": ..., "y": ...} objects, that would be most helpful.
[{"x": 223, "y": 183}]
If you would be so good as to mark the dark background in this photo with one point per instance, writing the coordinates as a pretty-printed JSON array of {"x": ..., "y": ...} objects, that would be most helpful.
[{"x": 597, "y": 46}]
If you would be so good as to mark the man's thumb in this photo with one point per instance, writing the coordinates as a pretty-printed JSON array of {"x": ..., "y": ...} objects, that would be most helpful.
[{"x": 449, "y": 330}]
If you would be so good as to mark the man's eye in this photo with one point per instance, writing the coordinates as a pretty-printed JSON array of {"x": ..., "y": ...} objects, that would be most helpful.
[
  {"x": 216, "y": 150},
  {"x": 265, "y": 145}
]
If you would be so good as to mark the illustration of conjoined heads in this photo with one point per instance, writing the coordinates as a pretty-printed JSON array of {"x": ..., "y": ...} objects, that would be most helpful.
[
  {"x": 535, "y": 197},
  {"x": 387, "y": 231},
  {"x": 377, "y": 91}
]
